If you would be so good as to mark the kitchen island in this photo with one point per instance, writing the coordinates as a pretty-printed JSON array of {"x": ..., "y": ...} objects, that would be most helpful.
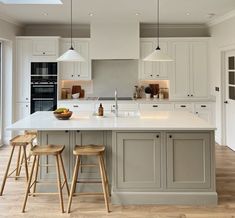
[{"x": 152, "y": 158}]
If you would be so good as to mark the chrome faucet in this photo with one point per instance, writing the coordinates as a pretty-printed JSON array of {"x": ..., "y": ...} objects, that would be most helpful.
[{"x": 116, "y": 103}]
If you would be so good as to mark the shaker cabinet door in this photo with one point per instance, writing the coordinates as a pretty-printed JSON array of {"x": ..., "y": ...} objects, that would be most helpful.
[
  {"x": 138, "y": 161},
  {"x": 188, "y": 161}
]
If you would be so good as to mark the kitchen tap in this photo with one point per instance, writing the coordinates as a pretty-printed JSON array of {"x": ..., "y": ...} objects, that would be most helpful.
[{"x": 116, "y": 103}]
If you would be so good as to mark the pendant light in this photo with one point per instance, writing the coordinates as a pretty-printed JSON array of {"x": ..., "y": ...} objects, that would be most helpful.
[
  {"x": 157, "y": 54},
  {"x": 71, "y": 55}
]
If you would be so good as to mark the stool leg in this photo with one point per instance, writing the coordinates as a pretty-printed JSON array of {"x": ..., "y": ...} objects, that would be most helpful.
[
  {"x": 28, "y": 186},
  {"x": 21, "y": 163},
  {"x": 103, "y": 184},
  {"x": 105, "y": 175},
  {"x": 64, "y": 173},
  {"x": 59, "y": 183},
  {"x": 74, "y": 181},
  {"x": 18, "y": 163},
  {"x": 36, "y": 175},
  {"x": 26, "y": 163},
  {"x": 7, "y": 170}
]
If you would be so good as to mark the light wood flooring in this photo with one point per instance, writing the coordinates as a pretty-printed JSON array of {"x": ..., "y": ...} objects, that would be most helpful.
[{"x": 93, "y": 207}]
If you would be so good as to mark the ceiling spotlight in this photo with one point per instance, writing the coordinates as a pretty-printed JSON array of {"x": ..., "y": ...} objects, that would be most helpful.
[
  {"x": 187, "y": 13},
  {"x": 137, "y": 14},
  {"x": 44, "y": 13},
  {"x": 91, "y": 14}
]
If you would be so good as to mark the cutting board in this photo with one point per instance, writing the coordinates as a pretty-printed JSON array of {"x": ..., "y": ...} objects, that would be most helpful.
[{"x": 76, "y": 89}]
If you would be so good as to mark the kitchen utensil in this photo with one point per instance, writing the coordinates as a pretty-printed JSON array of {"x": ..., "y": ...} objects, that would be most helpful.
[{"x": 76, "y": 89}]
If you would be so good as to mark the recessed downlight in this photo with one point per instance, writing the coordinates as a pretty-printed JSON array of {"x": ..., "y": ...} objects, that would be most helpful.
[
  {"x": 188, "y": 13},
  {"x": 137, "y": 14},
  {"x": 44, "y": 13},
  {"x": 91, "y": 14}
]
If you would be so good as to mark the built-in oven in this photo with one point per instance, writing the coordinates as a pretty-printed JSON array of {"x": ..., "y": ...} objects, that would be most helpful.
[{"x": 43, "y": 86}]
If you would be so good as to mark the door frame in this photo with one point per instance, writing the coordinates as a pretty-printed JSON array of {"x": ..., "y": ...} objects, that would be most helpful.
[{"x": 223, "y": 51}]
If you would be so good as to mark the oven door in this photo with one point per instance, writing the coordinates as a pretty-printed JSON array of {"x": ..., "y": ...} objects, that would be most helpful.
[
  {"x": 43, "y": 91},
  {"x": 43, "y": 68},
  {"x": 43, "y": 104}
]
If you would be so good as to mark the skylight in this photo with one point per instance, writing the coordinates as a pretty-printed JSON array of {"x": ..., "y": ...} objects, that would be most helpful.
[{"x": 33, "y": 2}]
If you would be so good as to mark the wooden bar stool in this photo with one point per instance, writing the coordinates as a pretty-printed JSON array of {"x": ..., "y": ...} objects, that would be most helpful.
[
  {"x": 37, "y": 151},
  {"x": 90, "y": 150},
  {"x": 20, "y": 141}
]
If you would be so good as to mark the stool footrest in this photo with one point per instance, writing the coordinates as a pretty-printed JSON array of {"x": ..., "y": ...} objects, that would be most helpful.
[
  {"x": 89, "y": 165},
  {"x": 88, "y": 193},
  {"x": 87, "y": 181},
  {"x": 44, "y": 193}
]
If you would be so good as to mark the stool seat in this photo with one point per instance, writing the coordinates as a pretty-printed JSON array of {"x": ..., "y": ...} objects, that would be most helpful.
[
  {"x": 22, "y": 140},
  {"x": 47, "y": 149},
  {"x": 88, "y": 149}
]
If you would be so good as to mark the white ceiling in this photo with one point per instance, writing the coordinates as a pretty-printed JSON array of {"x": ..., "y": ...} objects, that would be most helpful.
[{"x": 171, "y": 11}]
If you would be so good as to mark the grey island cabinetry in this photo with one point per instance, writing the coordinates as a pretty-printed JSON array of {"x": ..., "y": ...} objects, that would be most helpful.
[{"x": 158, "y": 158}]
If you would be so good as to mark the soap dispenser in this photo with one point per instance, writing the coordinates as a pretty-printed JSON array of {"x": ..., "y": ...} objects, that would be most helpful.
[{"x": 101, "y": 110}]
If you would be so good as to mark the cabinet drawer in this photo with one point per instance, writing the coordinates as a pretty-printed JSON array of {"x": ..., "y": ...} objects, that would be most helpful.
[
  {"x": 184, "y": 107},
  {"x": 121, "y": 107},
  {"x": 202, "y": 107},
  {"x": 156, "y": 107}
]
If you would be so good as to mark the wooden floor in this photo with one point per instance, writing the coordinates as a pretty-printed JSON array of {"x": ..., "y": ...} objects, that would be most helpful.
[{"x": 93, "y": 207}]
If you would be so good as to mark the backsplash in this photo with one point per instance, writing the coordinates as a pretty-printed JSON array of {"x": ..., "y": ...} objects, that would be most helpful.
[{"x": 110, "y": 74}]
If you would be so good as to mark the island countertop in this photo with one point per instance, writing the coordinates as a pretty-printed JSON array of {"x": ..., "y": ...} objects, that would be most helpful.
[{"x": 161, "y": 120}]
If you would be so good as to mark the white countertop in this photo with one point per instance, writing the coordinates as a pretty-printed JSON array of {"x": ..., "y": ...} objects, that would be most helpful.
[{"x": 162, "y": 120}]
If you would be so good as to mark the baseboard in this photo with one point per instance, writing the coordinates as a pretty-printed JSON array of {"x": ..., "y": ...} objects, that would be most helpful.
[{"x": 169, "y": 198}]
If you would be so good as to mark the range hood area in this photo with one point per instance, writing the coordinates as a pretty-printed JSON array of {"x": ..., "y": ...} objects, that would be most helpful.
[{"x": 118, "y": 40}]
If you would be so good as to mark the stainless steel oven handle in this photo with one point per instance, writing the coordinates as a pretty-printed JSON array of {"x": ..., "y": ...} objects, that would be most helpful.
[
  {"x": 44, "y": 86},
  {"x": 43, "y": 99}
]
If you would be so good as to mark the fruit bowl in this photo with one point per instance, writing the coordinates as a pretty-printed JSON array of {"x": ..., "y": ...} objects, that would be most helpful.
[{"x": 63, "y": 116}]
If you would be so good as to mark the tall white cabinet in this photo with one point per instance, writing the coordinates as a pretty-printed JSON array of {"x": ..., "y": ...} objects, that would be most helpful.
[
  {"x": 189, "y": 77},
  {"x": 188, "y": 73},
  {"x": 30, "y": 49}
]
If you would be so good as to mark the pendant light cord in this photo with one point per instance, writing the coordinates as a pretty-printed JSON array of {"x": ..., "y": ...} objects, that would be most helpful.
[
  {"x": 158, "y": 26},
  {"x": 71, "y": 24}
]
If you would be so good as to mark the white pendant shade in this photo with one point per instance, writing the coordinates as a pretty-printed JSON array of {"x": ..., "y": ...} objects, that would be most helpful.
[
  {"x": 158, "y": 55},
  {"x": 70, "y": 56}
]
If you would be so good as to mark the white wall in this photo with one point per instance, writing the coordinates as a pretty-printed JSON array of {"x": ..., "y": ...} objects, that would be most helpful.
[
  {"x": 8, "y": 32},
  {"x": 222, "y": 38}
]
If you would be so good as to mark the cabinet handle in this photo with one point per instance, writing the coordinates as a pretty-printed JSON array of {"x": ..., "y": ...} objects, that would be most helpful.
[
  {"x": 78, "y": 75},
  {"x": 182, "y": 105},
  {"x": 151, "y": 75},
  {"x": 71, "y": 75},
  {"x": 191, "y": 95},
  {"x": 43, "y": 52},
  {"x": 27, "y": 99},
  {"x": 155, "y": 105},
  {"x": 188, "y": 95},
  {"x": 226, "y": 102},
  {"x": 203, "y": 105},
  {"x": 78, "y": 131},
  {"x": 75, "y": 105},
  {"x": 27, "y": 105},
  {"x": 66, "y": 131},
  {"x": 157, "y": 75},
  {"x": 196, "y": 112},
  {"x": 157, "y": 136},
  {"x": 170, "y": 136}
]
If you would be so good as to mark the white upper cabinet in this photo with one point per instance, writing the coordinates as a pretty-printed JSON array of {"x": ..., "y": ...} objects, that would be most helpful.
[
  {"x": 152, "y": 70},
  {"x": 76, "y": 70},
  {"x": 23, "y": 57},
  {"x": 189, "y": 78},
  {"x": 46, "y": 46}
]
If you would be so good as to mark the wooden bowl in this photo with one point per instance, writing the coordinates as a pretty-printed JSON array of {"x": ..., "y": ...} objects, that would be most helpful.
[{"x": 62, "y": 116}]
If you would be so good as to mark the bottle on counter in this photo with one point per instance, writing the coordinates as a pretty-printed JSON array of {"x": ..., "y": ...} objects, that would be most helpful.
[
  {"x": 161, "y": 94},
  {"x": 101, "y": 110}
]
